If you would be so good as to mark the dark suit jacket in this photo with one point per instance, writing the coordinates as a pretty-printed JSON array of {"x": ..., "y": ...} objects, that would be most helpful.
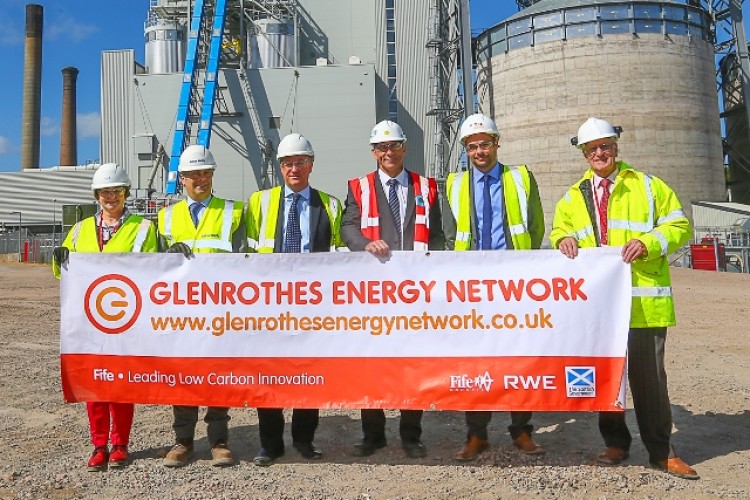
[
  {"x": 320, "y": 226},
  {"x": 351, "y": 231}
]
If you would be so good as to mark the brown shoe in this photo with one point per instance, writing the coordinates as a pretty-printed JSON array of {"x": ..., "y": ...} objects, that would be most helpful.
[
  {"x": 221, "y": 455},
  {"x": 612, "y": 456},
  {"x": 471, "y": 450},
  {"x": 676, "y": 467},
  {"x": 527, "y": 445},
  {"x": 179, "y": 455}
]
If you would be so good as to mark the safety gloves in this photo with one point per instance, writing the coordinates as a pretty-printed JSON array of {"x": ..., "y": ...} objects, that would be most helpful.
[
  {"x": 181, "y": 248},
  {"x": 61, "y": 254}
]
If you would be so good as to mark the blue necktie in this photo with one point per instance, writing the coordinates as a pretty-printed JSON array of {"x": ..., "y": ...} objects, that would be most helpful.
[
  {"x": 487, "y": 215},
  {"x": 394, "y": 205},
  {"x": 293, "y": 236},
  {"x": 195, "y": 209}
]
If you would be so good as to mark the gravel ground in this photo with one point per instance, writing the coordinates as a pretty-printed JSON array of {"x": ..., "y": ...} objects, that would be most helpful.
[{"x": 44, "y": 443}]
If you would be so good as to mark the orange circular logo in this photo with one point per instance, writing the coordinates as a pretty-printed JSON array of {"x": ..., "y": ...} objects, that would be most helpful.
[{"x": 112, "y": 303}]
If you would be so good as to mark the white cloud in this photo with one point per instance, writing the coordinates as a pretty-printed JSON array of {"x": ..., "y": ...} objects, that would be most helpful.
[
  {"x": 88, "y": 124},
  {"x": 48, "y": 126},
  {"x": 68, "y": 27},
  {"x": 4, "y": 145}
]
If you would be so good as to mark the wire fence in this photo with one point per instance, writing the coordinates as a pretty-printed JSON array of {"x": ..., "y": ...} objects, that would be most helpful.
[{"x": 24, "y": 246}]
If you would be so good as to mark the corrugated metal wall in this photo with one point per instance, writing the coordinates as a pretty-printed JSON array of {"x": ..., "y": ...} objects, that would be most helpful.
[
  {"x": 118, "y": 68},
  {"x": 31, "y": 192},
  {"x": 412, "y": 82},
  {"x": 719, "y": 215}
]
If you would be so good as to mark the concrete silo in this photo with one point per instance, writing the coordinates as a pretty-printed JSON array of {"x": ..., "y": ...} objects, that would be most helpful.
[{"x": 647, "y": 66}]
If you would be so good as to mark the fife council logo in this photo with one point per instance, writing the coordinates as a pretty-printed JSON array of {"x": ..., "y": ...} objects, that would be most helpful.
[
  {"x": 580, "y": 381},
  {"x": 466, "y": 383},
  {"x": 112, "y": 303}
]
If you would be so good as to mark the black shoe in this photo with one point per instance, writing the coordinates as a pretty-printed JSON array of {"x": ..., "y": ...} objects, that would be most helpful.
[
  {"x": 264, "y": 458},
  {"x": 414, "y": 448},
  {"x": 367, "y": 447},
  {"x": 307, "y": 449}
]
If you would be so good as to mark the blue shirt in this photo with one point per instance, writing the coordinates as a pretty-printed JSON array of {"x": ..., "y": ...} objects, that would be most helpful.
[
  {"x": 303, "y": 212},
  {"x": 496, "y": 196},
  {"x": 205, "y": 203}
]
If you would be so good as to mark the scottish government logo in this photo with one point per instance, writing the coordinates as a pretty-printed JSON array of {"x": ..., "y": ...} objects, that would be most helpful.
[
  {"x": 580, "y": 381},
  {"x": 112, "y": 303}
]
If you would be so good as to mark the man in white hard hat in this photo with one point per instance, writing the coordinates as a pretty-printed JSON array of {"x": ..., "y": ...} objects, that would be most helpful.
[
  {"x": 294, "y": 218},
  {"x": 112, "y": 229},
  {"x": 201, "y": 223},
  {"x": 614, "y": 204},
  {"x": 492, "y": 207},
  {"x": 400, "y": 212}
]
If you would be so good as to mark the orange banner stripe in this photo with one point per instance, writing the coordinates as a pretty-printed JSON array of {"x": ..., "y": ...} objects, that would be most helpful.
[{"x": 445, "y": 383}]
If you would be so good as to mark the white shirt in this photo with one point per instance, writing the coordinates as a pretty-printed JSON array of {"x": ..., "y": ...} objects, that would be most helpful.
[{"x": 402, "y": 190}]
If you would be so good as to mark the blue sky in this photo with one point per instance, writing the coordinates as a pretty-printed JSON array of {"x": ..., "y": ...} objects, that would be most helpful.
[{"x": 75, "y": 32}]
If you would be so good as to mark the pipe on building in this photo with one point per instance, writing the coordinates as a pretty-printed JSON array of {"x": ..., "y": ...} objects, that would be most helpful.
[
  {"x": 32, "y": 87},
  {"x": 68, "y": 139}
]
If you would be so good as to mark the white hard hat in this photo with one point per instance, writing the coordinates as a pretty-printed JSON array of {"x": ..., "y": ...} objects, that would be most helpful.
[
  {"x": 196, "y": 157},
  {"x": 294, "y": 145},
  {"x": 477, "y": 124},
  {"x": 387, "y": 131},
  {"x": 594, "y": 129},
  {"x": 109, "y": 175}
]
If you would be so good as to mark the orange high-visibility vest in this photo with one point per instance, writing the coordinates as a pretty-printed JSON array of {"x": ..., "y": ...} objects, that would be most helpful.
[{"x": 365, "y": 195}]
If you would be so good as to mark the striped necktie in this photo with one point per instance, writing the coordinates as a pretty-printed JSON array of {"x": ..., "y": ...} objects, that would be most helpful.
[{"x": 395, "y": 208}]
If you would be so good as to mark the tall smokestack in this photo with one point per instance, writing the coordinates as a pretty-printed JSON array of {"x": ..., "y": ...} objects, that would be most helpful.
[
  {"x": 32, "y": 87},
  {"x": 68, "y": 140}
]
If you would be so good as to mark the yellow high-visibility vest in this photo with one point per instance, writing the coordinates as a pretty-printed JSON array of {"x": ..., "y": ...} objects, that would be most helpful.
[
  {"x": 263, "y": 216},
  {"x": 516, "y": 189},
  {"x": 640, "y": 207},
  {"x": 135, "y": 235},
  {"x": 218, "y": 223}
]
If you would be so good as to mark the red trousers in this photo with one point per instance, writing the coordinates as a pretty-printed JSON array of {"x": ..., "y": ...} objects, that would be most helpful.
[{"x": 99, "y": 422}]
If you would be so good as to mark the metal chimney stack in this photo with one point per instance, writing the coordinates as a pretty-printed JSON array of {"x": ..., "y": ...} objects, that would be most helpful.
[
  {"x": 68, "y": 139},
  {"x": 32, "y": 87}
]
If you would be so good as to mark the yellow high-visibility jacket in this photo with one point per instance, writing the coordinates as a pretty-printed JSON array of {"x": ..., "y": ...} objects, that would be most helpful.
[
  {"x": 640, "y": 207},
  {"x": 523, "y": 215},
  {"x": 263, "y": 217},
  {"x": 136, "y": 235},
  {"x": 221, "y": 228}
]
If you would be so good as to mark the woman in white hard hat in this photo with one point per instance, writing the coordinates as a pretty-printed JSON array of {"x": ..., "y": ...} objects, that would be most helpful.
[{"x": 112, "y": 229}]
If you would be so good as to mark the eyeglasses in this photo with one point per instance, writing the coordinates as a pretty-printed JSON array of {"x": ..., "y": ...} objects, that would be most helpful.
[
  {"x": 476, "y": 146},
  {"x": 112, "y": 192},
  {"x": 385, "y": 146},
  {"x": 197, "y": 174},
  {"x": 605, "y": 148},
  {"x": 296, "y": 163}
]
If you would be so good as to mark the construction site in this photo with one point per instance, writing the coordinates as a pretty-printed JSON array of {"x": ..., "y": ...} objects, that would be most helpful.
[{"x": 237, "y": 76}]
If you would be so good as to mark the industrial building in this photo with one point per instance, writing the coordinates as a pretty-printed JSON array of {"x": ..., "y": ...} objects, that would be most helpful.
[
  {"x": 645, "y": 66},
  {"x": 238, "y": 75},
  {"x": 329, "y": 70}
]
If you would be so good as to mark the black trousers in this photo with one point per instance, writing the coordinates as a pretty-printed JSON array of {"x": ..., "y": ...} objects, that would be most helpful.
[
  {"x": 477, "y": 422},
  {"x": 648, "y": 385},
  {"x": 373, "y": 425},
  {"x": 271, "y": 427}
]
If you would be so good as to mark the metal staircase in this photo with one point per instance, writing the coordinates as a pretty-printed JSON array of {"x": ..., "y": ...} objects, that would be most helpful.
[{"x": 199, "y": 82}]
